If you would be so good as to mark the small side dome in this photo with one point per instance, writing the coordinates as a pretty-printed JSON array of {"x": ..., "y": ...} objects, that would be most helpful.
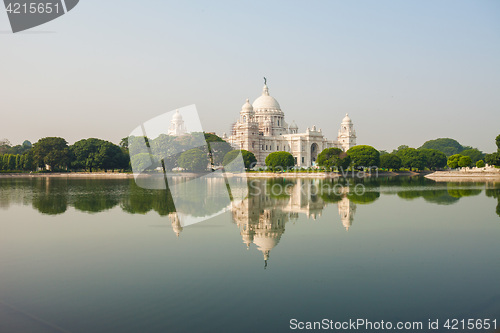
[
  {"x": 247, "y": 106},
  {"x": 346, "y": 119},
  {"x": 293, "y": 125}
]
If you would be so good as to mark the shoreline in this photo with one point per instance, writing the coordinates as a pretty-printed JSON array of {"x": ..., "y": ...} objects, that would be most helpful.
[
  {"x": 464, "y": 176},
  {"x": 116, "y": 175},
  {"x": 109, "y": 175}
]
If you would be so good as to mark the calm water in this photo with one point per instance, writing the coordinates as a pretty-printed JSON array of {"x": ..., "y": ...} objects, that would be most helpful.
[{"x": 86, "y": 255}]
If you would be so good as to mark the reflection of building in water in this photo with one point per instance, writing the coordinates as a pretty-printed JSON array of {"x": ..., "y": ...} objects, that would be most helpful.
[
  {"x": 176, "y": 223},
  {"x": 346, "y": 212},
  {"x": 177, "y": 127},
  {"x": 261, "y": 218}
]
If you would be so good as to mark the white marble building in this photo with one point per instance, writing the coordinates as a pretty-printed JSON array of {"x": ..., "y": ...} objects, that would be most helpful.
[{"x": 262, "y": 129}]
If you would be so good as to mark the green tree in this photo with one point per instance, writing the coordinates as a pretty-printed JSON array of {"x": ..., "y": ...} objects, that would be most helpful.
[
  {"x": 434, "y": 159},
  {"x": 364, "y": 156},
  {"x": 401, "y": 147},
  {"x": 491, "y": 159},
  {"x": 12, "y": 162},
  {"x": 28, "y": 163},
  {"x": 194, "y": 160},
  {"x": 144, "y": 162},
  {"x": 85, "y": 154},
  {"x": 18, "y": 162},
  {"x": 280, "y": 160},
  {"x": 4, "y": 146},
  {"x": 248, "y": 158},
  {"x": 5, "y": 161},
  {"x": 334, "y": 157},
  {"x": 497, "y": 141},
  {"x": 464, "y": 161},
  {"x": 51, "y": 151},
  {"x": 412, "y": 158},
  {"x": 111, "y": 157},
  {"x": 453, "y": 161},
  {"x": 217, "y": 148},
  {"x": 474, "y": 154},
  {"x": 480, "y": 164},
  {"x": 444, "y": 145},
  {"x": 390, "y": 161}
]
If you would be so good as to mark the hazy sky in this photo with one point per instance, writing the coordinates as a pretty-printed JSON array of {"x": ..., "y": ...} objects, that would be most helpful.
[{"x": 406, "y": 71}]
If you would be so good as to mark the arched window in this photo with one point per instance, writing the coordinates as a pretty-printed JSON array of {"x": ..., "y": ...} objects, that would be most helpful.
[{"x": 244, "y": 119}]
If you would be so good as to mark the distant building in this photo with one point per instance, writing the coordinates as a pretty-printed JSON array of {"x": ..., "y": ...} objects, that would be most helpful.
[
  {"x": 262, "y": 129},
  {"x": 177, "y": 126}
]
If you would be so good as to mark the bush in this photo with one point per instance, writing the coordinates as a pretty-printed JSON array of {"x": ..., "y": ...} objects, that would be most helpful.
[
  {"x": 333, "y": 157},
  {"x": 364, "y": 156},
  {"x": 280, "y": 160},
  {"x": 248, "y": 158},
  {"x": 390, "y": 161},
  {"x": 194, "y": 160},
  {"x": 491, "y": 159},
  {"x": 464, "y": 161},
  {"x": 453, "y": 161},
  {"x": 480, "y": 164}
]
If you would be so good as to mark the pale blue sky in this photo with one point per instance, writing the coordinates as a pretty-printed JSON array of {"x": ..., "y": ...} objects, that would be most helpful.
[{"x": 406, "y": 71}]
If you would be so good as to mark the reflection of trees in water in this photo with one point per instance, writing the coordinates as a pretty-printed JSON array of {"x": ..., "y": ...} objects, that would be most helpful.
[
  {"x": 445, "y": 194},
  {"x": 458, "y": 190},
  {"x": 50, "y": 196},
  {"x": 53, "y": 195},
  {"x": 138, "y": 200},
  {"x": 92, "y": 196},
  {"x": 494, "y": 193}
]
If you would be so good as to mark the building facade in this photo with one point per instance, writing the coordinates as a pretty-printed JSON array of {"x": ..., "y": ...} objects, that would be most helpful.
[{"x": 262, "y": 129}]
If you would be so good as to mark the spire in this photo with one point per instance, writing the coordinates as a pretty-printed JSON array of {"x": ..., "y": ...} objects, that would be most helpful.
[{"x": 265, "y": 90}]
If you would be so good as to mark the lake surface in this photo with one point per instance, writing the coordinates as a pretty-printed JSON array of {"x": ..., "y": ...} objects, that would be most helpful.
[{"x": 104, "y": 255}]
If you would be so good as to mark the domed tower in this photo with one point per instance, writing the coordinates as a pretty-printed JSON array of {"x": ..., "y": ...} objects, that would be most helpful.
[
  {"x": 246, "y": 113},
  {"x": 177, "y": 127},
  {"x": 268, "y": 112},
  {"x": 347, "y": 134}
]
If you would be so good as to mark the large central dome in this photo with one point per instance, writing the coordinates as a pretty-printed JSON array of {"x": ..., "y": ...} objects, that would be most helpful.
[{"x": 266, "y": 102}]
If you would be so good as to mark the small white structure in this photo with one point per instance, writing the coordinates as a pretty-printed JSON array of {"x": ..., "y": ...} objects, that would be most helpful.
[
  {"x": 262, "y": 130},
  {"x": 177, "y": 127}
]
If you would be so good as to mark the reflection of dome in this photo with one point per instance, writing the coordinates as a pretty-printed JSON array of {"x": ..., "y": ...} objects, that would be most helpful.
[
  {"x": 267, "y": 241},
  {"x": 266, "y": 102},
  {"x": 247, "y": 106},
  {"x": 346, "y": 119}
]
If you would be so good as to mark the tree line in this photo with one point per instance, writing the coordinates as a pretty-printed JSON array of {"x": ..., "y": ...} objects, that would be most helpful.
[
  {"x": 54, "y": 154},
  {"x": 210, "y": 151}
]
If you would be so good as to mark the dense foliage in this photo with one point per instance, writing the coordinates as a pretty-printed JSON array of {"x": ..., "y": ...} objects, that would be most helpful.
[
  {"x": 445, "y": 145},
  {"x": 249, "y": 159},
  {"x": 390, "y": 161},
  {"x": 280, "y": 160},
  {"x": 334, "y": 158},
  {"x": 453, "y": 161},
  {"x": 195, "y": 160},
  {"x": 364, "y": 156},
  {"x": 464, "y": 161}
]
